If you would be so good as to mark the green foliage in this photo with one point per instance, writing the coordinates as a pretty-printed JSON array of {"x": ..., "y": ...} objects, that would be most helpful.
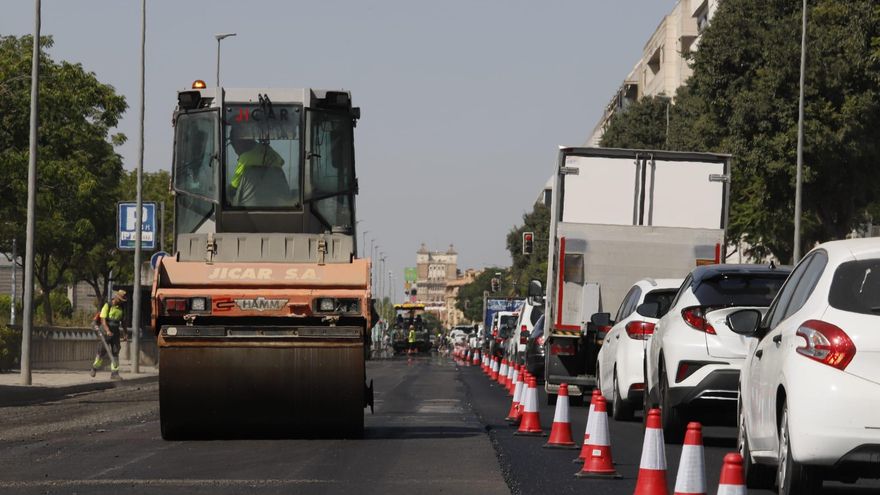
[
  {"x": 10, "y": 348},
  {"x": 470, "y": 296},
  {"x": 743, "y": 99},
  {"x": 641, "y": 126},
  {"x": 533, "y": 266},
  {"x": 79, "y": 170}
]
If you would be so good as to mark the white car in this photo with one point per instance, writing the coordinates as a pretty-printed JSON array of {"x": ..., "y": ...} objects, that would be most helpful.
[
  {"x": 621, "y": 360},
  {"x": 516, "y": 343},
  {"x": 694, "y": 358},
  {"x": 810, "y": 386}
]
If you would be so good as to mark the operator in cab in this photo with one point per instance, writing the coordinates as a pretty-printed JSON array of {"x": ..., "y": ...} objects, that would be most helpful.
[{"x": 251, "y": 154}]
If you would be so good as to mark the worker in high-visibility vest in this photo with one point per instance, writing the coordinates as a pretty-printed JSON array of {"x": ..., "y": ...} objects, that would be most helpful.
[
  {"x": 109, "y": 322},
  {"x": 411, "y": 338}
]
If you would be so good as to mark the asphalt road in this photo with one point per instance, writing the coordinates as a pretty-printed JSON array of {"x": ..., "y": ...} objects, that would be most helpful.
[{"x": 438, "y": 428}]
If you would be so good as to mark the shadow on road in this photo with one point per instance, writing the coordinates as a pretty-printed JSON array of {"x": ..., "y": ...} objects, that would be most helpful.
[{"x": 420, "y": 432}]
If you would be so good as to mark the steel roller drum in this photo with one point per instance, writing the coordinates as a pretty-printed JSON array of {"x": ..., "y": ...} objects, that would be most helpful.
[{"x": 263, "y": 390}]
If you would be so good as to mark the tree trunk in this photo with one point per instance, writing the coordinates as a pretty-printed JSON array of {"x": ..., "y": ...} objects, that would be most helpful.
[{"x": 47, "y": 309}]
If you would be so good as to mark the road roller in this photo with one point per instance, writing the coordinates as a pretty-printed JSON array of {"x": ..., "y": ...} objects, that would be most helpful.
[{"x": 262, "y": 308}]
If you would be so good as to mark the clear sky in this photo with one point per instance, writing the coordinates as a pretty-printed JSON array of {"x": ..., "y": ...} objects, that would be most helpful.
[{"x": 464, "y": 102}]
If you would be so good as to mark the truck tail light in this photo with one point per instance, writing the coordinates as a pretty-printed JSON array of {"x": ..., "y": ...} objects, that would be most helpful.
[
  {"x": 524, "y": 335},
  {"x": 175, "y": 305},
  {"x": 564, "y": 347},
  {"x": 695, "y": 317},
  {"x": 639, "y": 330},
  {"x": 826, "y": 343}
]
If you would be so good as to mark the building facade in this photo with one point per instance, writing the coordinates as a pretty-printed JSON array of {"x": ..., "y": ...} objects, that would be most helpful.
[
  {"x": 435, "y": 270},
  {"x": 663, "y": 66}
]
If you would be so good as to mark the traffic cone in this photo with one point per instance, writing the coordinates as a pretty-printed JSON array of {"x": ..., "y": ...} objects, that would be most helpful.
[
  {"x": 502, "y": 373},
  {"x": 476, "y": 353},
  {"x": 485, "y": 363},
  {"x": 530, "y": 424},
  {"x": 691, "y": 478},
  {"x": 598, "y": 463},
  {"x": 590, "y": 415},
  {"x": 732, "y": 480},
  {"x": 652, "y": 469},
  {"x": 560, "y": 433},
  {"x": 511, "y": 379},
  {"x": 513, "y": 416},
  {"x": 495, "y": 367}
]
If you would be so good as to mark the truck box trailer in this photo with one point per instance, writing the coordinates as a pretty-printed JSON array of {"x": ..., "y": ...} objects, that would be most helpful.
[{"x": 617, "y": 216}]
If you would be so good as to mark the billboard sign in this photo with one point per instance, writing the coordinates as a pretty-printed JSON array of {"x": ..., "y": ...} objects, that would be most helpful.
[{"x": 410, "y": 274}]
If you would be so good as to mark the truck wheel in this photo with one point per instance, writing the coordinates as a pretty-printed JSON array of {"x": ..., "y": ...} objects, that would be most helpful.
[{"x": 623, "y": 411}]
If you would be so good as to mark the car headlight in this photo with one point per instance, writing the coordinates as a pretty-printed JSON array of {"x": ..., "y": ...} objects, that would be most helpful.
[{"x": 326, "y": 304}]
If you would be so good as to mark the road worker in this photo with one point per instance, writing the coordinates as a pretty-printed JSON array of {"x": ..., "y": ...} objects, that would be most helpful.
[{"x": 108, "y": 322}]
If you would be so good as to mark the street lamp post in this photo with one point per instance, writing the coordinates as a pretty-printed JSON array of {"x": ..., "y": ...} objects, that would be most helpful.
[
  {"x": 219, "y": 37},
  {"x": 796, "y": 255},
  {"x": 364, "y": 243},
  {"x": 138, "y": 217}
]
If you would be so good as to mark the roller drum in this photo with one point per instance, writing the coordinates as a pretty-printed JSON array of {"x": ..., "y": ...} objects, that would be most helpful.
[{"x": 224, "y": 391}]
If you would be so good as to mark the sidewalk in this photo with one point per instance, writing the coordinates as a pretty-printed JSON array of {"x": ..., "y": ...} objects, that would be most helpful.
[{"x": 49, "y": 385}]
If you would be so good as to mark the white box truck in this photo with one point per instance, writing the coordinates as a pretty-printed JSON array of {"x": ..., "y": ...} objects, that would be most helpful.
[{"x": 618, "y": 216}]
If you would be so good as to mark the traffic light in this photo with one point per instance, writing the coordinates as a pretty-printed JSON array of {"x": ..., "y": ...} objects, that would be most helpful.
[{"x": 528, "y": 242}]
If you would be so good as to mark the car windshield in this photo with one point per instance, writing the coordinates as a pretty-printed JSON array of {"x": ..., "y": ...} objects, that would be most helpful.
[
  {"x": 856, "y": 287},
  {"x": 263, "y": 156},
  {"x": 740, "y": 289}
]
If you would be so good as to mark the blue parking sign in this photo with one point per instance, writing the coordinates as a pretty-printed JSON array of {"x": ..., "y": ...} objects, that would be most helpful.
[{"x": 126, "y": 226}]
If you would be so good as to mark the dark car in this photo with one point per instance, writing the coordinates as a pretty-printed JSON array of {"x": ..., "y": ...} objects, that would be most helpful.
[{"x": 535, "y": 349}]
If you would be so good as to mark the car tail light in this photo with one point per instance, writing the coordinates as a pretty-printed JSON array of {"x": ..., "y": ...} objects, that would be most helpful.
[
  {"x": 175, "y": 305},
  {"x": 826, "y": 343},
  {"x": 524, "y": 335},
  {"x": 639, "y": 330},
  {"x": 563, "y": 348},
  {"x": 636, "y": 387},
  {"x": 686, "y": 369},
  {"x": 695, "y": 316}
]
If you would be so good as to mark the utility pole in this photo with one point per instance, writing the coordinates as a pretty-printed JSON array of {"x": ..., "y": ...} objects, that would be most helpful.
[
  {"x": 138, "y": 216},
  {"x": 800, "y": 143},
  {"x": 28, "y": 302},
  {"x": 14, "y": 284}
]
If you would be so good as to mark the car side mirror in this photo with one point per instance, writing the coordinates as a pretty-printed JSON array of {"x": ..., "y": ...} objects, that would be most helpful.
[
  {"x": 601, "y": 319},
  {"x": 745, "y": 321},
  {"x": 649, "y": 310}
]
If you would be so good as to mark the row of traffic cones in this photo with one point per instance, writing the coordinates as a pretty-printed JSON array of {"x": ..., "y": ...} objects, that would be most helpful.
[{"x": 595, "y": 454}]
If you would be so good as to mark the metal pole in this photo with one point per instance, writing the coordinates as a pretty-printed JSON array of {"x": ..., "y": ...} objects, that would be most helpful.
[
  {"x": 138, "y": 217},
  {"x": 14, "y": 285},
  {"x": 220, "y": 37},
  {"x": 28, "y": 321},
  {"x": 162, "y": 226},
  {"x": 364, "y": 243},
  {"x": 796, "y": 256}
]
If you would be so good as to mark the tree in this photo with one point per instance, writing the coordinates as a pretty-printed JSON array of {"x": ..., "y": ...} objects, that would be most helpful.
[
  {"x": 533, "y": 266},
  {"x": 103, "y": 257},
  {"x": 470, "y": 296},
  {"x": 642, "y": 125},
  {"x": 78, "y": 168},
  {"x": 742, "y": 99}
]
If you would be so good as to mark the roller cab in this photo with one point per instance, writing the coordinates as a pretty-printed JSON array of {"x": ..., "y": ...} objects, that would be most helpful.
[{"x": 261, "y": 313}]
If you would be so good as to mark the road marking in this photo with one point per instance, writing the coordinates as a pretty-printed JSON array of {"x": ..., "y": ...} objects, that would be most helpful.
[{"x": 231, "y": 482}]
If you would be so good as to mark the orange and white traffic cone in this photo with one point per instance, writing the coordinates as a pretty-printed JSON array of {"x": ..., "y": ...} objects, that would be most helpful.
[
  {"x": 513, "y": 416},
  {"x": 590, "y": 414},
  {"x": 476, "y": 360},
  {"x": 511, "y": 378},
  {"x": 732, "y": 480},
  {"x": 530, "y": 424},
  {"x": 560, "y": 433},
  {"x": 691, "y": 478},
  {"x": 652, "y": 468},
  {"x": 502, "y": 373},
  {"x": 486, "y": 364},
  {"x": 496, "y": 365},
  {"x": 598, "y": 463}
]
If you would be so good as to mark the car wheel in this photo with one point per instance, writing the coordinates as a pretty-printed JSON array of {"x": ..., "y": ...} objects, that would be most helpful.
[
  {"x": 792, "y": 477},
  {"x": 623, "y": 411},
  {"x": 673, "y": 423},
  {"x": 756, "y": 475}
]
